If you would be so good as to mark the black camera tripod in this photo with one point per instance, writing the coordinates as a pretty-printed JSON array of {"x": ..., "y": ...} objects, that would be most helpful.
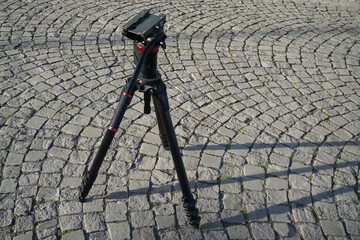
[{"x": 148, "y": 34}]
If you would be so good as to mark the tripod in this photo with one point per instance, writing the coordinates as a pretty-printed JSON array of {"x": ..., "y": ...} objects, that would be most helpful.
[{"x": 146, "y": 79}]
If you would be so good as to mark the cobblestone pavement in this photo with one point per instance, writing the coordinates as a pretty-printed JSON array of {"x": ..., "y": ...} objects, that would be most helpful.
[{"x": 265, "y": 96}]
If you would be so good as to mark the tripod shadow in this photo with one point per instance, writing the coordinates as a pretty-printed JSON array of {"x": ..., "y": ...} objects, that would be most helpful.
[
  {"x": 165, "y": 189},
  {"x": 261, "y": 213},
  {"x": 279, "y": 145},
  {"x": 283, "y": 207}
]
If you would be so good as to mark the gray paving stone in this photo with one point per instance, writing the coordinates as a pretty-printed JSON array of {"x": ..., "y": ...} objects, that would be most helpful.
[
  {"x": 23, "y": 206},
  {"x": 279, "y": 213},
  {"x": 257, "y": 197},
  {"x": 49, "y": 180},
  {"x": 232, "y": 217},
  {"x": 60, "y": 153},
  {"x": 326, "y": 211},
  {"x": 348, "y": 210},
  {"x": 230, "y": 186},
  {"x": 161, "y": 177},
  {"x": 35, "y": 156},
  {"x": 219, "y": 234},
  {"x": 262, "y": 231},
  {"x": 92, "y": 132},
  {"x": 11, "y": 172},
  {"x": 303, "y": 214},
  {"x": 232, "y": 201},
  {"x": 72, "y": 129},
  {"x": 254, "y": 171},
  {"x": 93, "y": 222},
  {"x": 96, "y": 205},
  {"x": 345, "y": 194},
  {"x": 6, "y": 218},
  {"x": 45, "y": 211},
  {"x": 276, "y": 196},
  {"x": 208, "y": 205},
  {"x": 143, "y": 233},
  {"x": 149, "y": 149},
  {"x": 52, "y": 165},
  {"x": 27, "y": 191},
  {"x": 256, "y": 212},
  {"x": 253, "y": 184},
  {"x": 210, "y": 161},
  {"x": 47, "y": 194},
  {"x": 142, "y": 219},
  {"x": 211, "y": 221},
  {"x": 207, "y": 175},
  {"x": 352, "y": 227},
  {"x": 169, "y": 235},
  {"x": 79, "y": 91},
  {"x": 70, "y": 222},
  {"x": 46, "y": 229},
  {"x": 239, "y": 231},
  {"x": 78, "y": 234},
  {"x": 14, "y": 159},
  {"x": 24, "y": 236},
  {"x": 119, "y": 230},
  {"x": 70, "y": 207},
  {"x": 8, "y": 185},
  {"x": 285, "y": 229},
  {"x": 299, "y": 182},
  {"x": 333, "y": 228},
  {"x": 310, "y": 231},
  {"x": 321, "y": 180},
  {"x": 115, "y": 211},
  {"x": 280, "y": 160},
  {"x": 165, "y": 221},
  {"x": 276, "y": 183}
]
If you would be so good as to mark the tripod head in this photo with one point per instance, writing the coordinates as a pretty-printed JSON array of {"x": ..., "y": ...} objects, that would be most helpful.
[
  {"x": 147, "y": 31},
  {"x": 146, "y": 27}
]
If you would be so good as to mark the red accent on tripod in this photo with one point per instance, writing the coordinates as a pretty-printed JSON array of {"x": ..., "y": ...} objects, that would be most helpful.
[
  {"x": 140, "y": 48},
  {"x": 125, "y": 94},
  {"x": 112, "y": 129}
]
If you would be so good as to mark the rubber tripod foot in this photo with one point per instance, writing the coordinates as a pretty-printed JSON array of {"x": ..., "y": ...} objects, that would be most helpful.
[
  {"x": 192, "y": 212},
  {"x": 195, "y": 222},
  {"x": 85, "y": 187},
  {"x": 82, "y": 199}
]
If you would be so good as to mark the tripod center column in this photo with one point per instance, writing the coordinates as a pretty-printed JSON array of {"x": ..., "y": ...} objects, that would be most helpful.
[{"x": 149, "y": 68}]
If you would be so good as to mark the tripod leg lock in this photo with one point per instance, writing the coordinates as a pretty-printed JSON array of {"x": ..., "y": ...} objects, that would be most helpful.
[
  {"x": 191, "y": 211},
  {"x": 147, "y": 100}
]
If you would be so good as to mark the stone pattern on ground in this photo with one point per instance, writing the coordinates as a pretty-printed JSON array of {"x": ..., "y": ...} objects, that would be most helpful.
[{"x": 264, "y": 96}]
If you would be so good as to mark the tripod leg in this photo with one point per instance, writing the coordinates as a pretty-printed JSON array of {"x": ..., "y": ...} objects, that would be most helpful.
[
  {"x": 162, "y": 106},
  {"x": 91, "y": 175}
]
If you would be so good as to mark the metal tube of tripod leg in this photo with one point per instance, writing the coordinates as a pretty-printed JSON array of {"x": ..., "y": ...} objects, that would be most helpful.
[
  {"x": 162, "y": 134},
  {"x": 176, "y": 155},
  {"x": 162, "y": 110},
  {"x": 125, "y": 99},
  {"x": 189, "y": 203},
  {"x": 91, "y": 175}
]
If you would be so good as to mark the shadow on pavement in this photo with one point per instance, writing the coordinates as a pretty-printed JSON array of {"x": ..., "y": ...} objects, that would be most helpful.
[
  {"x": 272, "y": 209},
  {"x": 277, "y": 145}
]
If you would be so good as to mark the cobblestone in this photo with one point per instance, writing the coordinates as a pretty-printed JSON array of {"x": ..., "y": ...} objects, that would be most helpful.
[{"x": 263, "y": 96}]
